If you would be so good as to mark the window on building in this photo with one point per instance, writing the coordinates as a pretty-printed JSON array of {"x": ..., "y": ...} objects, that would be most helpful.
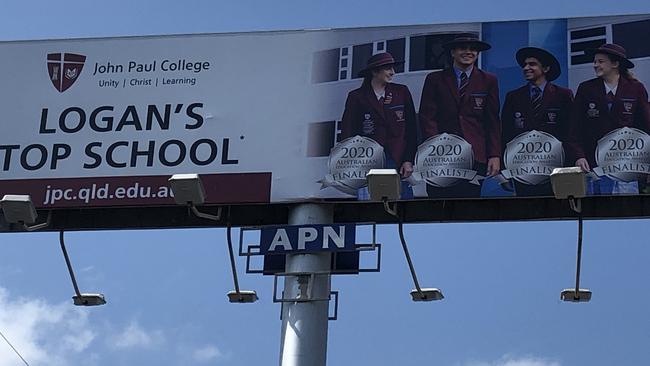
[
  {"x": 628, "y": 35},
  {"x": 325, "y": 66},
  {"x": 321, "y": 137},
  {"x": 397, "y": 48},
  {"x": 427, "y": 53},
  {"x": 584, "y": 39},
  {"x": 360, "y": 55}
]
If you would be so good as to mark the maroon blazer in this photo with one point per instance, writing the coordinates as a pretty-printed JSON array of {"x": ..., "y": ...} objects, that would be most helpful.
[
  {"x": 391, "y": 123},
  {"x": 591, "y": 119},
  {"x": 553, "y": 117},
  {"x": 475, "y": 117}
]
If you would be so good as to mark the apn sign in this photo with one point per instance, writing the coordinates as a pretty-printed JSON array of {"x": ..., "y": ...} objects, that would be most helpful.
[{"x": 307, "y": 238}]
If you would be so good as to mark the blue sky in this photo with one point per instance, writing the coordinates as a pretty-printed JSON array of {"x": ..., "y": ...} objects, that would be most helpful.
[{"x": 166, "y": 289}]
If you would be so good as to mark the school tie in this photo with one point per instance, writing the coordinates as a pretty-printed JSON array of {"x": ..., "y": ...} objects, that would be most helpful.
[
  {"x": 536, "y": 99},
  {"x": 464, "y": 80},
  {"x": 610, "y": 100},
  {"x": 381, "y": 101}
]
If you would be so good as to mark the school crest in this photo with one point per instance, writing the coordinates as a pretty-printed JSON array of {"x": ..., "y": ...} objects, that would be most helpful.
[
  {"x": 627, "y": 106},
  {"x": 400, "y": 115},
  {"x": 64, "y": 69},
  {"x": 368, "y": 125},
  {"x": 592, "y": 111},
  {"x": 552, "y": 117},
  {"x": 519, "y": 120}
]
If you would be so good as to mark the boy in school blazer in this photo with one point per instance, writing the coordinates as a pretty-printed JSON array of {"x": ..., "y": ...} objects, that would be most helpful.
[
  {"x": 464, "y": 100},
  {"x": 538, "y": 105}
]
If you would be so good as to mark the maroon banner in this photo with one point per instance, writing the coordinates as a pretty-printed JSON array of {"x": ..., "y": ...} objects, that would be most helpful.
[{"x": 136, "y": 191}]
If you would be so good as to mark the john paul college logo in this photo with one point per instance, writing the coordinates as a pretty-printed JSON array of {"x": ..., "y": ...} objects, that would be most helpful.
[{"x": 64, "y": 69}]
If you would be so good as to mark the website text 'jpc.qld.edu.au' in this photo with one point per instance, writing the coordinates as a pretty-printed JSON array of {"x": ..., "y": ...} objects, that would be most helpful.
[{"x": 97, "y": 192}]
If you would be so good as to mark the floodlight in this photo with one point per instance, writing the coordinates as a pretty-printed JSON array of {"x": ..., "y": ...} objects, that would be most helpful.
[
  {"x": 569, "y": 182},
  {"x": 79, "y": 299},
  {"x": 244, "y": 297},
  {"x": 237, "y": 296},
  {"x": 418, "y": 294},
  {"x": 426, "y": 294},
  {"x": 187, "y": 189},
  {"x": 570, "y": 294},
  {"x": 384, "y": 184},
  {"x": 89, "y": 299},
  {"x": 18, "y": 208}
]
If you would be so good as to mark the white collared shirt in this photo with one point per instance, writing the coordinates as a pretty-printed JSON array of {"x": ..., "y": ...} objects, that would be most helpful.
[
  {"x": 380, "y": 95},
  {"x": 608, "y": 88}
]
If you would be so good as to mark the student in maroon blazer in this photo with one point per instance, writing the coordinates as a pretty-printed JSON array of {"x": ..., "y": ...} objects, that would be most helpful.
[
  {"x": 538, "y": 105},
  {"x": 612, "y": 100},
  {"x": 384, "y": 111},
  {"x": 469, "y": 109}
]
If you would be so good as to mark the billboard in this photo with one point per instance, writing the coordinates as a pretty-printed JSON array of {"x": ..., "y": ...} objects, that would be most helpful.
[{"x": 283, "y": 117}]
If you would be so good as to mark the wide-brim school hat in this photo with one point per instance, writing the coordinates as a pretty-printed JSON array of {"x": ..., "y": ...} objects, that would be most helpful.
[
  {"x": 545, "y": 57},
  {"x": 614, "y": 50},
  {"x": 377, "y": 61},
  {"x": 467, "y": 39}
]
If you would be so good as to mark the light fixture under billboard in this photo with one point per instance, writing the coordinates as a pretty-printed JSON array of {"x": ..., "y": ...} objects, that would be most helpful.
[{"x": 18, "y": 209}]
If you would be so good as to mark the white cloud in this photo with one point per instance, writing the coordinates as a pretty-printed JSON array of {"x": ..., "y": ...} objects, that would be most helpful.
[
  {"x": 207, "y": 353},
  {"x": 87, "y": 269},
  {"x": 45, "y": 334},
  {"x": 510, "y": 360},
  {"x": 78, "y": 342},
  {"x": 135, "y": 336}
]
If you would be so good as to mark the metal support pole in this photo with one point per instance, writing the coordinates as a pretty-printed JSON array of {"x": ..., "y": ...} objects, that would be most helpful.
[
  {"x": 579, "y": 255},
  {"x": 67, "y": 262},
  {"x": 231, "y": 254},
  {"x": 304, "y": 324},
  {"x": 400, "y": 228}
]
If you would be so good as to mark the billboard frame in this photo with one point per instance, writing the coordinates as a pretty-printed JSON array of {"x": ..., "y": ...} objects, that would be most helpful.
[{"x": 414, "y": 211}]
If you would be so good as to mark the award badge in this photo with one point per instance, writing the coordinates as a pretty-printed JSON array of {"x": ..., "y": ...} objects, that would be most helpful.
[
  {"x": 443, "y": 161},
  {"x": 349, "y": 162},
  {"x": 531, "y": 157},
  {"x": 623, "y": 154}
]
